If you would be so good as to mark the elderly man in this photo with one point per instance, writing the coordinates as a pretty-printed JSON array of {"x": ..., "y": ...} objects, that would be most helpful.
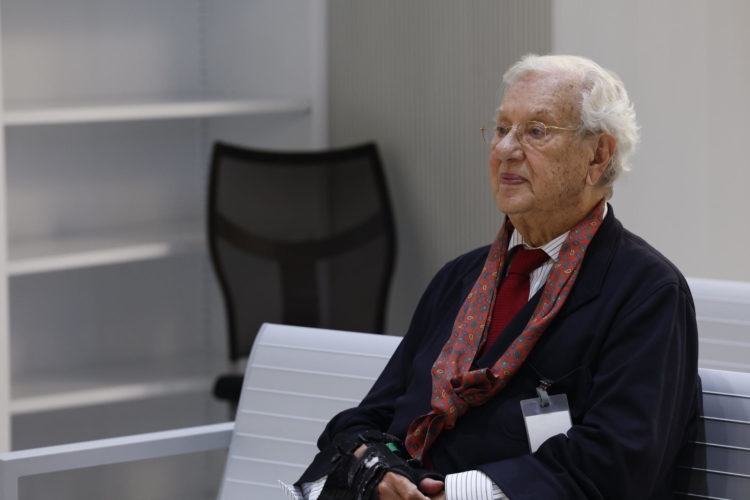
[{"x": 566, "y": 316}]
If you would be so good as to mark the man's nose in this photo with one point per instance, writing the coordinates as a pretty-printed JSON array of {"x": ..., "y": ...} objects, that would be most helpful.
[{"x": 509, "y": 147}]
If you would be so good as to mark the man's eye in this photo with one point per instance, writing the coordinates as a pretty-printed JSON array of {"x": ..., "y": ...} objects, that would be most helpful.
[
  {"x": 503, "y": 130},
  {"x": 536, "y": 131}
]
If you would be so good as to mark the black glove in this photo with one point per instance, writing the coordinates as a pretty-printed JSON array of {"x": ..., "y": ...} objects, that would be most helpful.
[{"x": 358, "y": 478}]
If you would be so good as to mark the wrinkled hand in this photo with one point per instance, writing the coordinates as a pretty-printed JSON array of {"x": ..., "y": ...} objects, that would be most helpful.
[
  {"x": 433, "y": 488},
  {"x": 397, "y": 487}
]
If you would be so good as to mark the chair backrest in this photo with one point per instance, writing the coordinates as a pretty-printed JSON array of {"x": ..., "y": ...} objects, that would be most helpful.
[
  {"x": 718, "y": 464},
  {"x": 295, "y": 381},
  {"x": 306, "y": 238}
]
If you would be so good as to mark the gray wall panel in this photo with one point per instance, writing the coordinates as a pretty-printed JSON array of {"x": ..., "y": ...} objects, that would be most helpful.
[{"x": 420, "y": 77}]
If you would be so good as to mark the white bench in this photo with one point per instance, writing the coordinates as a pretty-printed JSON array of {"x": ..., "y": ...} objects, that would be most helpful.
[
  {"x": 718, "y": 466},
  {"x": 297, "y": 378}
]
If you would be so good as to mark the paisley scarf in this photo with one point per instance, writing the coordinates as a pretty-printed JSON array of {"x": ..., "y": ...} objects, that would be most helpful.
[{"x": 455, "y": 387}]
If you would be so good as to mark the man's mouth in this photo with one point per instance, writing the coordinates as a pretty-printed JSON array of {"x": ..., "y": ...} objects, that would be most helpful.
[{"x": 511, "y": 179}]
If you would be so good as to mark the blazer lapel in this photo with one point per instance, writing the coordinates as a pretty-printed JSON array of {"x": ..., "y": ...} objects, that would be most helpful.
[{"x": 595, "y": 265}]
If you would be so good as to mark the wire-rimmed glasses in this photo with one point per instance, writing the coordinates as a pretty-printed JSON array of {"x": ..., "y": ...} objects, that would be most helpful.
[{"x": 531, "y": 133}]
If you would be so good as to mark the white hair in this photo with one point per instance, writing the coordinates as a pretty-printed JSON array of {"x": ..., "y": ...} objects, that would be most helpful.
[{"x": 604, "y": 106}]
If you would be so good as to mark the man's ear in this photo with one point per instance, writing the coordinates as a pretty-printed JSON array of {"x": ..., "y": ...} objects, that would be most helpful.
[{"x": 605, "y": 150}]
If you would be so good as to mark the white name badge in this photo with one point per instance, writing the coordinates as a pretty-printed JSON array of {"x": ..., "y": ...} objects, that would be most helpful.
[{"x": 543, "y": 422}]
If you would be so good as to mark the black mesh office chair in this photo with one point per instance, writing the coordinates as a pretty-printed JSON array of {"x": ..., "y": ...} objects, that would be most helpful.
[{"x": 298, "y": 238}]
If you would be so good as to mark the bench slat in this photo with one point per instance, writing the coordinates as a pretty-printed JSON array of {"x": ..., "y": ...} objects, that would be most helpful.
[
  {"x": 729, "y": 459},
  {"x": 296, "y": 404},
  {"x": 296, "y": 427},
  {"x": 713, "y": 485},
  {"x": 246, "y": 491},
  {"x": 272, "y": 449},
  {"x": 342, "y": 362},
  {"x": 726, "y": 407},
  {"x": 725, "y": 382},
  {"x": 256, "y": 472},
  {"x": 286, "y": 379},
  {"x": 724, "y": 432},
  {"x": 718, "y": 464}
]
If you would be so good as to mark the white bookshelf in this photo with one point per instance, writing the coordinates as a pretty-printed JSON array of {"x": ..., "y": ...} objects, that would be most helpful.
[
  {"x": 62, "y": 254},
  {"x": 30, "y": 114},
  {"x": 97, "y": 385},
  {"x": 108, "y": 112}
]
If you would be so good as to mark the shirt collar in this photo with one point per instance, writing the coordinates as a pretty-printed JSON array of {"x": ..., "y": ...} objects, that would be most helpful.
[{"x": 551, "y": 248}]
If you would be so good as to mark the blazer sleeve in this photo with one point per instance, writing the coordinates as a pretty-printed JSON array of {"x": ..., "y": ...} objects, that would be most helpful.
[
  {"x": 641, "y": 401},
  {"x": 377, "y": 408}
]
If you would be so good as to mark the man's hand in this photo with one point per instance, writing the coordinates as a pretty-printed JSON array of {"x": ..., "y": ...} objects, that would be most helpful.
[
  {"x": 397, "y": 487},
  {"x": 360, "y": 450},
  {"x": 433, "y": 488},
  {"x": 394, "y": 486}
]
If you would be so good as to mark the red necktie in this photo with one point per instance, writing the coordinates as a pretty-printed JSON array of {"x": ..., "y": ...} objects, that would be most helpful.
[{"x": 514, "y": 290}]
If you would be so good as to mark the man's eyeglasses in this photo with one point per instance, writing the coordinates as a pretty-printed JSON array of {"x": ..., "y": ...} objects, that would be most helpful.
[{"x": 531, "y": 133}]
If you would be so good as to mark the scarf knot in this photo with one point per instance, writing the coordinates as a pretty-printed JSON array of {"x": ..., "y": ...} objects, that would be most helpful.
[{"x": 472, "y": 387}]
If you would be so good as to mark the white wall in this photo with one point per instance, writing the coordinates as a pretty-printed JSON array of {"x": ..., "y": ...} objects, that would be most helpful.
[
  {"x": 420, "y": 77},
  {"x": 686, "y": 67}
]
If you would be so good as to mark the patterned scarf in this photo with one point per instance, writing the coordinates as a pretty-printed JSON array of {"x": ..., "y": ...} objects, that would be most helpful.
[{"x": 454, "y": 387}]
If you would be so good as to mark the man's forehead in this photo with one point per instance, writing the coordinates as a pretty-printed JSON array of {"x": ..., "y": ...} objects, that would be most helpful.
[
  {"x": 542, "y": 96},
  {"x": 535, "y": 111}
]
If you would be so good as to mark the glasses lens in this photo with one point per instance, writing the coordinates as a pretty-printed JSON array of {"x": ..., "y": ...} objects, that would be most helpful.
[
  {"x": 487, "y": 134},
  {"x": 534, "y": 133}
]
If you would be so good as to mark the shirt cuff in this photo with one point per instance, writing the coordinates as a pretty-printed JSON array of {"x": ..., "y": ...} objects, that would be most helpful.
[
  {"x": 311, "y": 490},
  {"x": 472, "y": 485}
]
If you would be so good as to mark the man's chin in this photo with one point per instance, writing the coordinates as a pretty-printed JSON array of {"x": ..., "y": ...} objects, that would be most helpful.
[{"x": 513, "y": 205}]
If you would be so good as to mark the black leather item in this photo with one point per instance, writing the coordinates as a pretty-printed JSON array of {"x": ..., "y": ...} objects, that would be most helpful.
[{"x": 358, "y": 478}]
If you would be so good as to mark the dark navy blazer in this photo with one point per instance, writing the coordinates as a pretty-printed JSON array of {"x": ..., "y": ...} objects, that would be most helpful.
[{"x": 624, "y": 349}]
